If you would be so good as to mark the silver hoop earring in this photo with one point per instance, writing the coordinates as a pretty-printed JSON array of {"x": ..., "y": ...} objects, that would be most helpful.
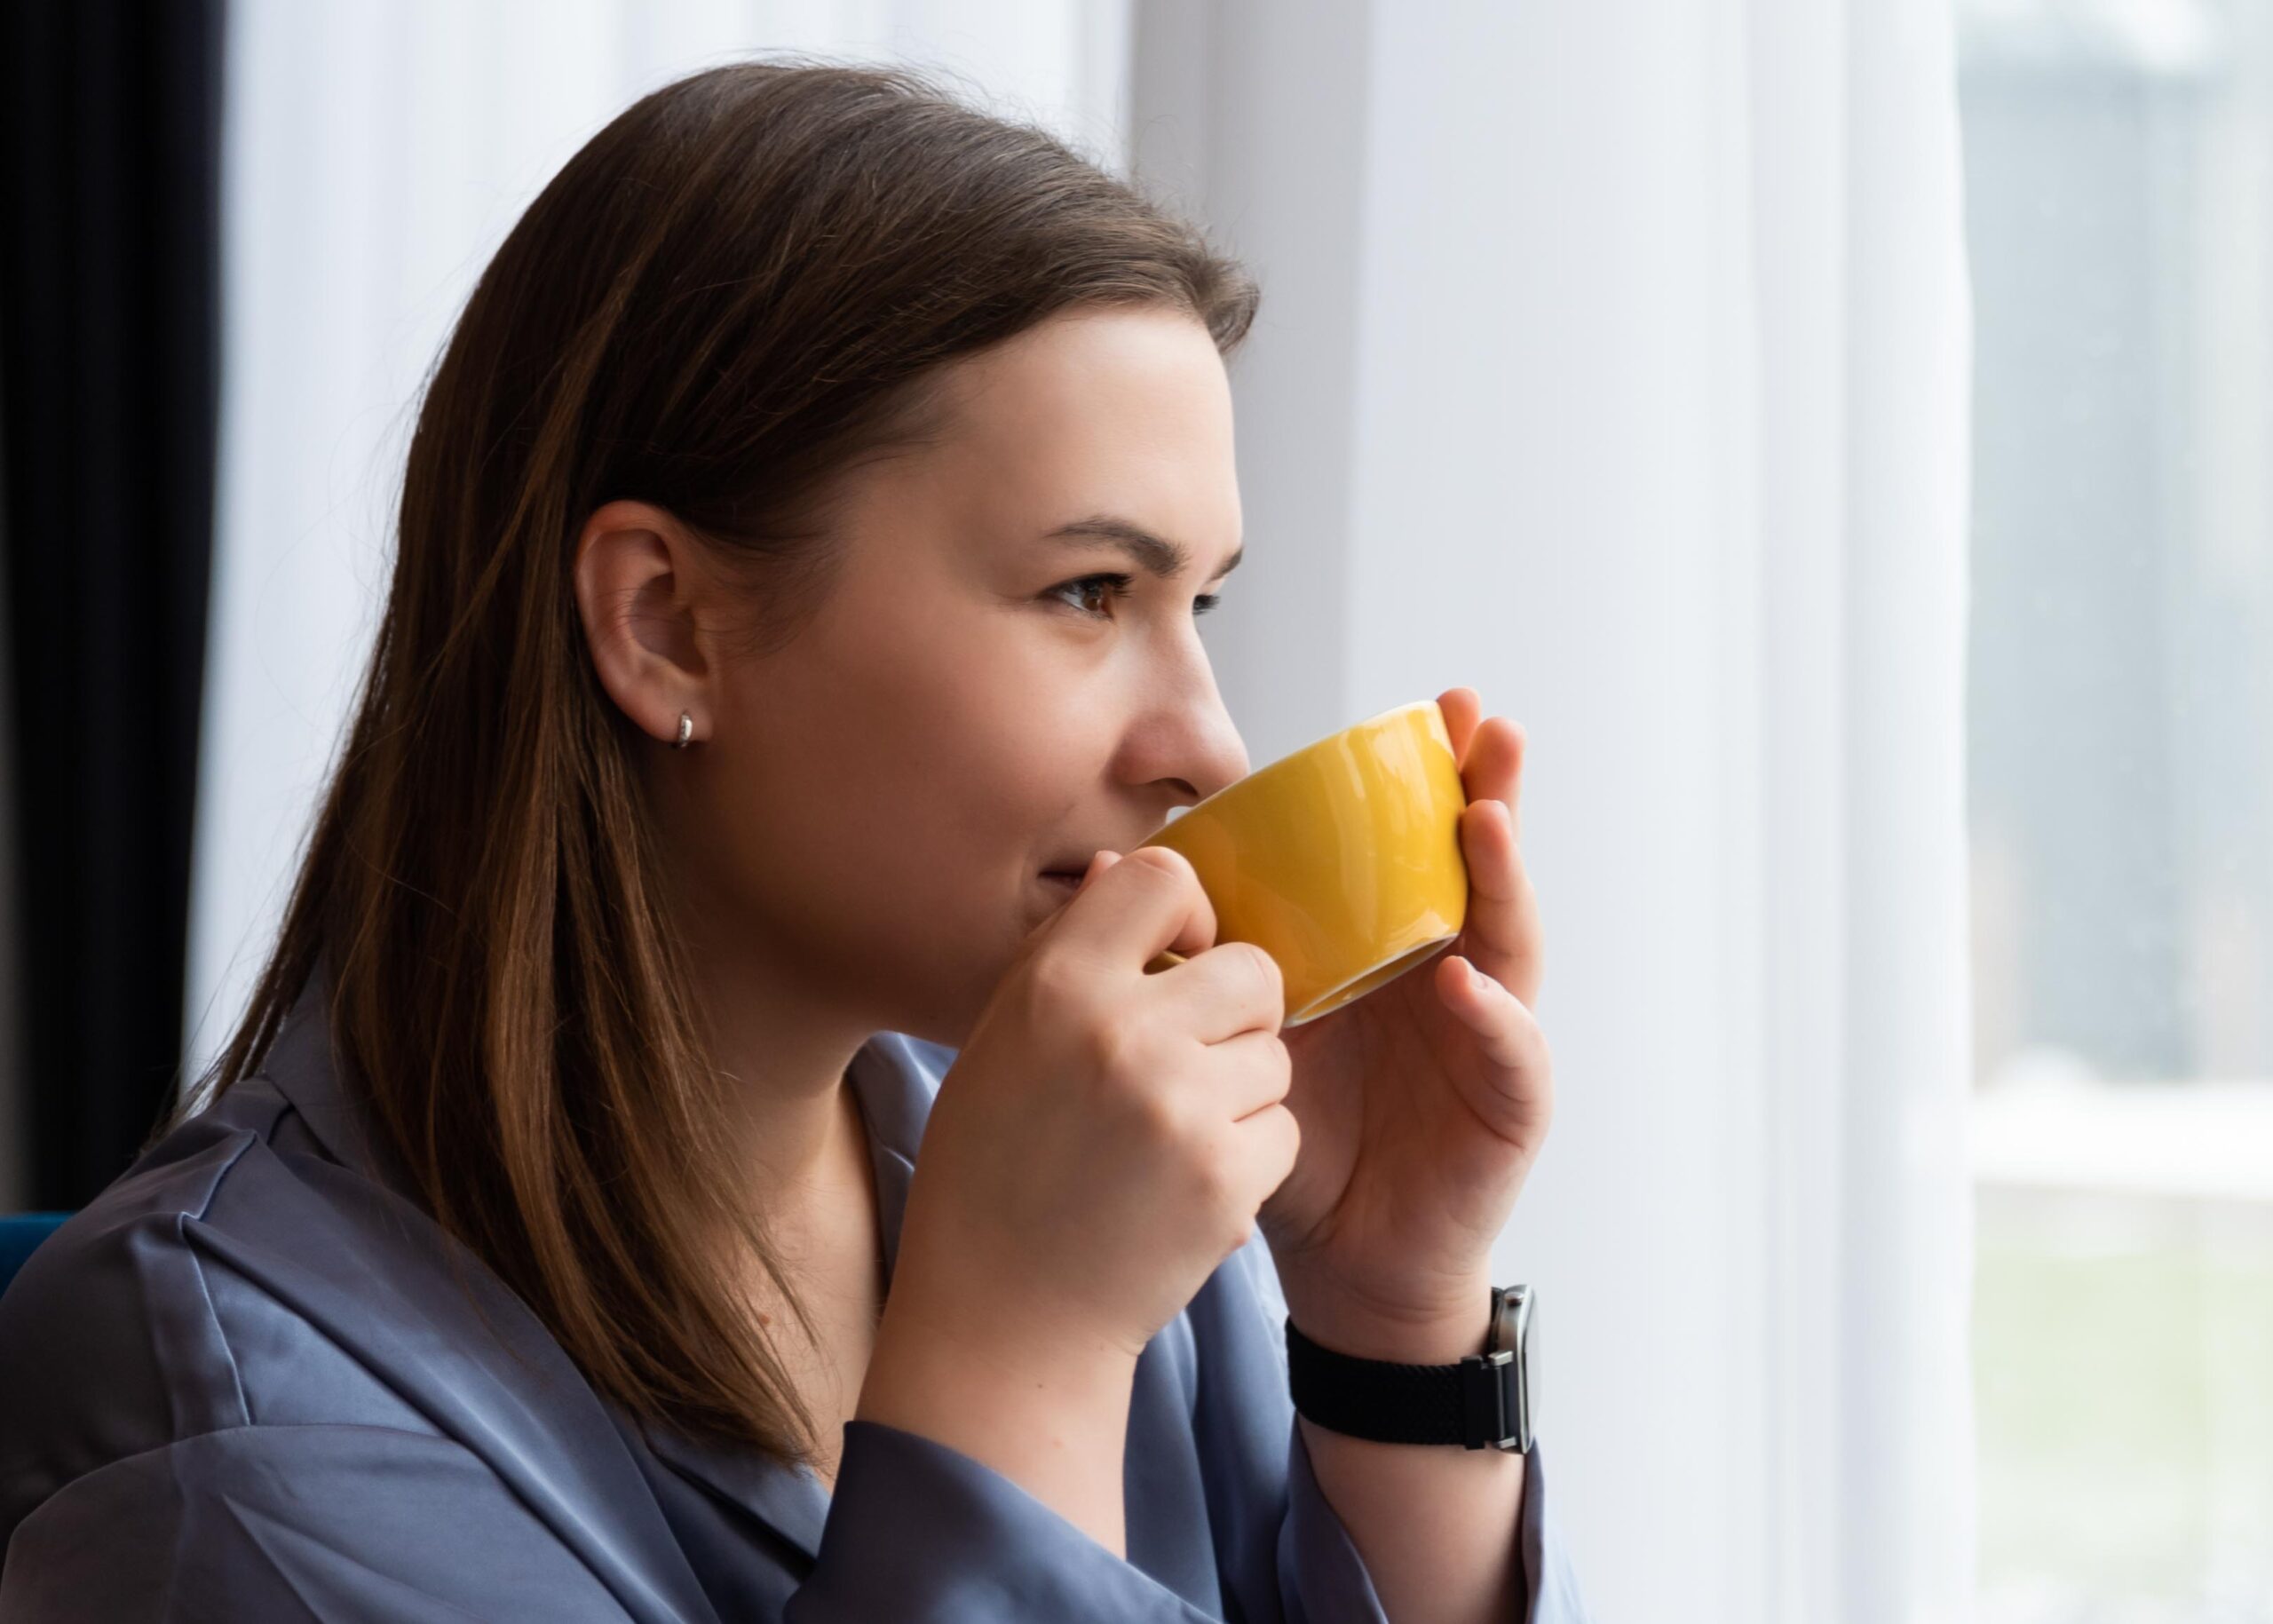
[{"x": 685, "y": 731}]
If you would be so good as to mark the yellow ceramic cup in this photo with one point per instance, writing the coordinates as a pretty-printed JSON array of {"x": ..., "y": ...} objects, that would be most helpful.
[{"x": 1342, "y": 861}]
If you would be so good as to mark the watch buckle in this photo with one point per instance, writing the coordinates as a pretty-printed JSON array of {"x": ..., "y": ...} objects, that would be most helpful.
[{"x": 1484, "y": 1382}]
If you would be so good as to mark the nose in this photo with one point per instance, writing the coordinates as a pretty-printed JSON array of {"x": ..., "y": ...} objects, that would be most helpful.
[{"x": 1202, "y": 749}]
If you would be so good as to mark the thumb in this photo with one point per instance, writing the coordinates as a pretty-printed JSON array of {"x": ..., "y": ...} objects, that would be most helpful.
[{"x": 1098, "y": 864}]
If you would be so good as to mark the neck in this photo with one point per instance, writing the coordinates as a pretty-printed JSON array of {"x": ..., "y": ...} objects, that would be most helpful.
[
  {"x": 783, "y": 1055},
  {"x": 780, "y": 1039},
  {"x": 792, "y": 1099}
]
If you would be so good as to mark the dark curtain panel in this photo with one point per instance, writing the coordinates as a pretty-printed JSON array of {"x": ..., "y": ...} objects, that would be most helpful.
[{"x": 109, "y": 352}]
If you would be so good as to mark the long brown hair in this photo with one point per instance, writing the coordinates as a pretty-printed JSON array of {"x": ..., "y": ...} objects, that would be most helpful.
[{"x": 737, "y": 290}]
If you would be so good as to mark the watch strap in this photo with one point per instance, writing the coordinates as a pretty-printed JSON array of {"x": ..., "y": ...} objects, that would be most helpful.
[{"x": 1479, "y": 1402}]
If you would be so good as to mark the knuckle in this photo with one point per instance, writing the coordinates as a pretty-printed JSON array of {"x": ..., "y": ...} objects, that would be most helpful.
[
  {"x": 1294, "y": 1149},
  {"x": 1161, "y": 1119},
  {"x": 1114, "y": 1047},
  {"x": 1059, "y": 980},
  {"x": 1227, "y": 1181},
  {"x": 1286, "y": 1145},
  {"x": 1273, "y": 978},
  {"x": 1272, "y": 1063},
  {"x": 1212, "y": 1163},
  {"x": 1226, "y": 1203}
]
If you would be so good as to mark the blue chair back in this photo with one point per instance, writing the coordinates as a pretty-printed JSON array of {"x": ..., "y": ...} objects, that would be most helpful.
[{"x": 20, "y": 1233}]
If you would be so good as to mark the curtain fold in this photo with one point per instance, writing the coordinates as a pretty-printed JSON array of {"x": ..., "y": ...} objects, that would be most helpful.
[
  {"x": 111, "y": 345},
  {"x": 1613, "y": 360},
  {"x": 1906, "y": 1485}
]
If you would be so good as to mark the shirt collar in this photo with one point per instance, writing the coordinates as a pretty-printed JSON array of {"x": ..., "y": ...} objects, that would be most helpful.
[
  {"x": 894, "y": 1078},
  {"x": 304, "y": 1066}
]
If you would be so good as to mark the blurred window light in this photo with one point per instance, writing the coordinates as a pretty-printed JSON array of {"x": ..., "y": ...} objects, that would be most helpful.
[{"x": 2118, "y": 158}]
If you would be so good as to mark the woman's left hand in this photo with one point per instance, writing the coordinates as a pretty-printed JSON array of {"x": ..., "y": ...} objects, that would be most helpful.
[{"x": 1423, "y": 1104}]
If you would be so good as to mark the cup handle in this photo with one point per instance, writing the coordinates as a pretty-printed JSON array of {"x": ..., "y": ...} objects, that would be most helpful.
[{"x": 1169, "y": 959}]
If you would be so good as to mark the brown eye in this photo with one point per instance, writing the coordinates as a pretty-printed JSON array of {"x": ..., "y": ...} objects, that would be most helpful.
[{"x": 1114, "y": 586}]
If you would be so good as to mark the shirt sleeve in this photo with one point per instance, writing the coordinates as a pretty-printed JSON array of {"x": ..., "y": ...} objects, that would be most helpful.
[
  {"x": 921, "y": 1532},
  {"x": 910, "y": 1517},
  {"x": 293, "y": 1522}
]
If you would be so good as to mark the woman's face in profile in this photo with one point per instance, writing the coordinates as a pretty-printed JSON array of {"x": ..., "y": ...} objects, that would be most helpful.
[{"x": 870, "y": 810}]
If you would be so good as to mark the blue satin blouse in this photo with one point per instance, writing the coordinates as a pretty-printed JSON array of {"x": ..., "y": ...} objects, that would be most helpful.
[{"x": 253, "y": 1380}]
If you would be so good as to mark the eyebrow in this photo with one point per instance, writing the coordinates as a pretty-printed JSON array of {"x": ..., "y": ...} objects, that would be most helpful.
[{"x": 1157, "y": 554}]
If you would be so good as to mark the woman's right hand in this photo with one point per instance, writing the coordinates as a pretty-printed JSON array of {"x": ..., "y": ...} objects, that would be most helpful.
[
  {"x": 1100, "y": 1145},
  {"x": 1106, "y": 1136}
]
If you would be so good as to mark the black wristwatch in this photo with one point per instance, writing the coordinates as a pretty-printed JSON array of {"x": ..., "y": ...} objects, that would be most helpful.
[{"x": 1482, "y": 1402}]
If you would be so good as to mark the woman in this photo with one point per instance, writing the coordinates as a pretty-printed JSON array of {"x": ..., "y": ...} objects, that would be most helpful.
[{"x": 737, "y": 794}]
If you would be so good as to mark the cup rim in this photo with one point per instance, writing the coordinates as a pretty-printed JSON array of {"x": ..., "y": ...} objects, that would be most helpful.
[
  {"x": 1414, "y": 952},
  {"x": 1294, "y": 755}
]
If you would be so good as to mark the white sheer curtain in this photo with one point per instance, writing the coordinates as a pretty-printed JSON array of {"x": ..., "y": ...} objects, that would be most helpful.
[{"x": 1613, "y": 360}]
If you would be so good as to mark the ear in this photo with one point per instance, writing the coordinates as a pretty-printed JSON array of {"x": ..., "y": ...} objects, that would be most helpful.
[{"x": 634, "y": 575}]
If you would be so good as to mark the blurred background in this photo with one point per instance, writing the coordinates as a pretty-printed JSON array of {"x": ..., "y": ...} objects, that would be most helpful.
[
  {"x": 2118, "y": 163},
  {"x": 1841, "y": 433}
]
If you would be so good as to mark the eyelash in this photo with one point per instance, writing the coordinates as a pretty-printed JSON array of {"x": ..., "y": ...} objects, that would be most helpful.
[{"x": 1120, "y": 584}]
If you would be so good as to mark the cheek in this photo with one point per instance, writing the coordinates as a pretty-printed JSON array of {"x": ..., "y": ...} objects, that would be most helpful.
[
  {"x": 961, "y": 736},
  {"x": 902, "y": 787},
  {"x": 904, "y": 892}
]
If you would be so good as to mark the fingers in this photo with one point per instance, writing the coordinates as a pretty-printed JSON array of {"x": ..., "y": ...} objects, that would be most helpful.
[
  {"x": 1130, "y": 907},
  {"x": 1231, "y": 988},
  {"x": 1493, "y": 770},
  {"x": 1490, "y": 750},
  {"x": 1254, "y": 1074},
  {"x": 1502, "y": 932},
  {"x": 1461, "y": 709},
  {"x": 1516, "y": 1091},
  {"x": 1270, "y": 1141},
  {"x": 1136, "y": 909}
]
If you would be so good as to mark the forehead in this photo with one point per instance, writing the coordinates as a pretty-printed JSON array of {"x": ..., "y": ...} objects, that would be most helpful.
[{"x": 1120, "y": 411}]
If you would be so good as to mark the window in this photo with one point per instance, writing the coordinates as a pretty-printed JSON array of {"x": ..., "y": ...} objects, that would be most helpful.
[{"x": 2119, "y": 168}]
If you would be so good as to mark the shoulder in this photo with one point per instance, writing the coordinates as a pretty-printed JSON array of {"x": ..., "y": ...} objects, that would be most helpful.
[{"x": 175, "y": 1304}]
